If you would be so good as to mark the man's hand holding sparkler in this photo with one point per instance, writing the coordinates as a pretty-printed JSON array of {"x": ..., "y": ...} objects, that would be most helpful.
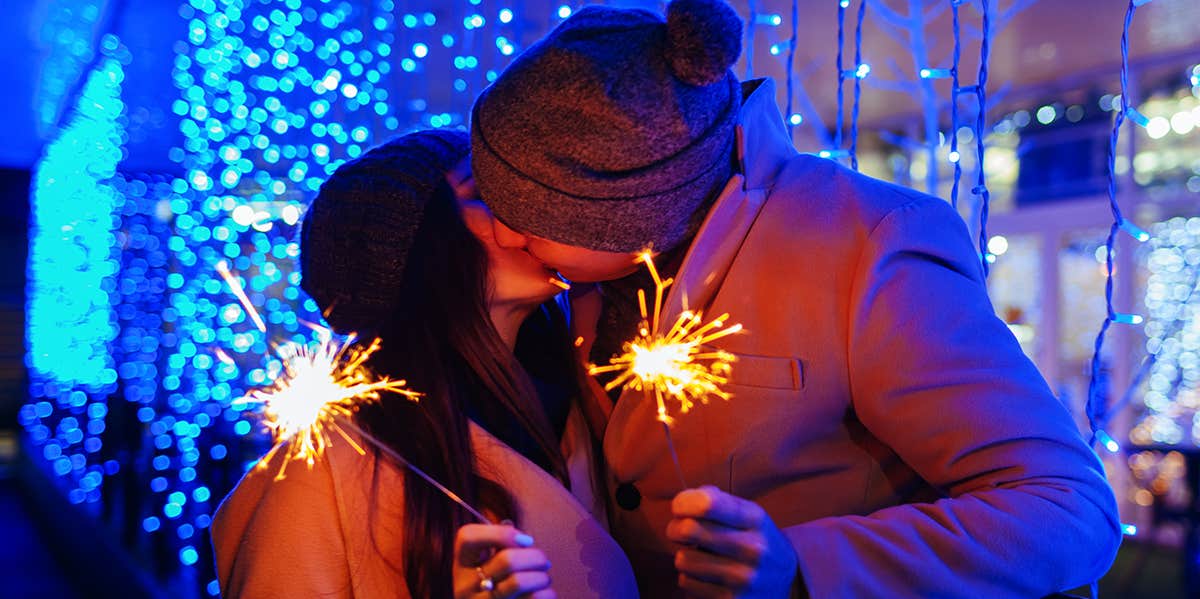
[
  {"x": 731, "y": 547},
  {"x": 495, "y": 560}
]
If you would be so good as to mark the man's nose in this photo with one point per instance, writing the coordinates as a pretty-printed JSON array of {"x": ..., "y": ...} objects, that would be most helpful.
[{"x": 508, "y": 238}]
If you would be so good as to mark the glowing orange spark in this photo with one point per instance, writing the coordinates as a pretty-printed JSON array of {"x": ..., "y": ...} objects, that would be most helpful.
[
  {"x": 673, "y": 365},
  {"x": 319, "y": 383},
  {"x": 565, "y": 286},
  {"x": 321, "y": 387}
]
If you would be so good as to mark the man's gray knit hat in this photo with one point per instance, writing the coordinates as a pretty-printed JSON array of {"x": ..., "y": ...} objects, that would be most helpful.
[
  {"x": 613, "y": 131},
  {"x": 357, "y": 233}
]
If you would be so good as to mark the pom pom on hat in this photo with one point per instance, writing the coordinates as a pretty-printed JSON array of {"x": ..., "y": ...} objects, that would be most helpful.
[{"x": 704, "y": 39}]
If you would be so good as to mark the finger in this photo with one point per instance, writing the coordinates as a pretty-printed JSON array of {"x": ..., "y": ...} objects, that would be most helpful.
[
  {"x": 522, "y": 583},
  {"x": 703, "y": 590},
  {"x": 711, "y": 503},
  {"x": 746, "y": 546},
  {"x": 472, "y": 540},
  {"x": 508, "y": 561},
  {"x": 693, "y": 531},
  {"x": 714, "y": 569},
  {"x": 546, "y": 593}
]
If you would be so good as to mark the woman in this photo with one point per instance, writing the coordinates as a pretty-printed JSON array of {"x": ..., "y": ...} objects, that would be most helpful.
[{"x": 388, "y": 250}]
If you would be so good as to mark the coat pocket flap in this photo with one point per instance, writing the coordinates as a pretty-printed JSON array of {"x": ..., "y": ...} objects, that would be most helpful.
[{"x": 773, "y": 372}]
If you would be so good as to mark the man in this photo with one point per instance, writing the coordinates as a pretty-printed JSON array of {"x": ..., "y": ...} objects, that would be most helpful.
[{"x": 886, "y": 436}]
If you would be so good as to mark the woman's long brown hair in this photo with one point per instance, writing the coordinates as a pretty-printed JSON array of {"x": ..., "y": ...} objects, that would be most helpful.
[{"x": 441, "y": 340}]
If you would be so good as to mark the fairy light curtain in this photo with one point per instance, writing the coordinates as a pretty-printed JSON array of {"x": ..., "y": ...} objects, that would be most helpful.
[{"x": 134, "y": 383}]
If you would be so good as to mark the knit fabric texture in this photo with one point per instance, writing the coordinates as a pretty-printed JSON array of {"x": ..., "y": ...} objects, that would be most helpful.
[
  {"x": 613, "y": 130},
  {"x": 357, "y": 233}
]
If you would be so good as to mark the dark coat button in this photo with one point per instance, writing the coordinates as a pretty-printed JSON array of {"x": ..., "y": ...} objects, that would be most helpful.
[{"x": 628, "y": 497}]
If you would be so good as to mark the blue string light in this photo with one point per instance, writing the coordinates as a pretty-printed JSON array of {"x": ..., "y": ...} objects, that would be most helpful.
[
  {"x": 791, "y": 62},
  {"x": 76, "y": 198},
  {"x": 861, "y": 70},
  {"x": 69, "y": 33},
  {"x": 954, "y": 91},
  {"x": 751, "y": 30},
  {"x": 1171, "y": 314},
  {"x": 980, "y": 87},
  {"x": 841, "y": 73},
  {"x": 273, "y": 95},
  {"x": 1097, "y": 409}
]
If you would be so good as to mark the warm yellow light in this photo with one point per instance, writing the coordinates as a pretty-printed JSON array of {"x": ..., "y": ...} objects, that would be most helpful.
[
  {"x": 321, "y": 387},
  {"x": 673, "y": 366},
  {"x": 319, "y": 383}
]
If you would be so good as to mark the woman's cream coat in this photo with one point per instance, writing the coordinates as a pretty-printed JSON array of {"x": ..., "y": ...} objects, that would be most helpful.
[{"x": 308, "y": 535}]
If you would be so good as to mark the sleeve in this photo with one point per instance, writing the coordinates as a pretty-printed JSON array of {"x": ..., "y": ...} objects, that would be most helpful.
[
  {"x": 282, "y": 538},
  {"x": 935, "y": 375}
]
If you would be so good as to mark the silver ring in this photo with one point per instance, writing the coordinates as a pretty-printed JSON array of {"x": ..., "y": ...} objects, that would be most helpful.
[{"x": 486, "y": 584}]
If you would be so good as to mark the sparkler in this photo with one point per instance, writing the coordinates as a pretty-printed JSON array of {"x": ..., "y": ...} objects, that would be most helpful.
[
  {"x": 316, "y": 395},
  {"x": 236, "y": 288},
  {"x": 320, "y": 384},
  {"x": 673, "y": 366}
]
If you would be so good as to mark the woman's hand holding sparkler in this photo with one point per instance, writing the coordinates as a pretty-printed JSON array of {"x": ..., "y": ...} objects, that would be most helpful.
[
  {"x": 731, "y": 547},
  {"x": 496, "y": 560}
]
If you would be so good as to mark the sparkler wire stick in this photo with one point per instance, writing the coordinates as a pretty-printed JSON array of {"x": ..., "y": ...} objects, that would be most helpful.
[
  {"x": 236, "y": 288},
  {"x": 415, "y": 470},
  {"x": 318, "y": 391},
  {"x": 306, "y": 418},
  {"x": 674, "y": 455},
  {"x": 673, "y": 365}
]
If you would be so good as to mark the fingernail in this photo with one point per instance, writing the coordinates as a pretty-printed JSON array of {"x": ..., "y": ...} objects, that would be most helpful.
[{"x": 524, "y": 540}]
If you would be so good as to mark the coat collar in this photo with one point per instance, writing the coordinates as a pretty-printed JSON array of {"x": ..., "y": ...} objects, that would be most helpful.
[
  {"x": 764, "y": 145},
  {"x": 763, "y": 148}
]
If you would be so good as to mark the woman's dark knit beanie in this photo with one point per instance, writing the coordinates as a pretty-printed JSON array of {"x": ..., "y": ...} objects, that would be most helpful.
[{"x": 357, "y": 233}]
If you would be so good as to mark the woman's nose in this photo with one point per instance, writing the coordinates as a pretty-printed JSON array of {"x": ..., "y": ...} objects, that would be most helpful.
[{"x": 508, "y": 238}]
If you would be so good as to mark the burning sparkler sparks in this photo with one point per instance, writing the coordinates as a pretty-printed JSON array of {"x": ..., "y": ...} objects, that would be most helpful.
[
  {"x": 674, "y": 365},
  {"x": 321, "y": 387}
]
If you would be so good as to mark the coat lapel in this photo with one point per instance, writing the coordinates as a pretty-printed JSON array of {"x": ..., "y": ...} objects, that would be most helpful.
[
  {"x": 713, "y": 250},
  {"x": 633, "y": 440},
  {"x": 763, "y": 148},
  {"x": 766, "y": 147}
]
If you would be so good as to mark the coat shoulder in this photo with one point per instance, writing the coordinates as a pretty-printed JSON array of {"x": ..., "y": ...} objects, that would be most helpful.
[
  {"x": 281, "y": 523},
  {"x": 826, "y": 193},
  {"x": 818, "y": 208}
]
